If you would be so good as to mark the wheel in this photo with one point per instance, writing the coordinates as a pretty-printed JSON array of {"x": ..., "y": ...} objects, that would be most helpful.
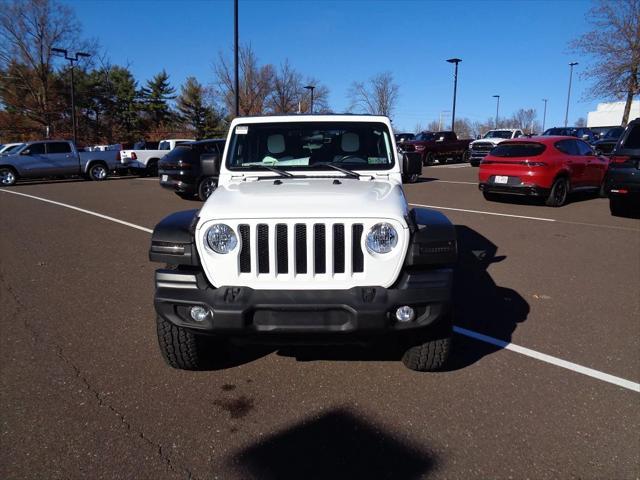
[
  {"x": 559, "y": 191},
  {"x": 429, "y": 160},
  {"x": 98, "y": 172},
  {"x": 490, "y": 196},
  {"x": 152, "y": 169},
  {"x": 7, "y": 176},
  {"x": 465, "y": 156},
  {"x": 602, "y": 192},
  {"x": 618, "y": 206},
  {"x": 206, "y": 187},
  {"x": 428, "y": 356},
  {"x": 180, "y": 348},
  {"x": 413, "y": 178}
]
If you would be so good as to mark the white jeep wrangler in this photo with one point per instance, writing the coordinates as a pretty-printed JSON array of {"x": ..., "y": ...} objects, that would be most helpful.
[{"x": 307, "y": 239}]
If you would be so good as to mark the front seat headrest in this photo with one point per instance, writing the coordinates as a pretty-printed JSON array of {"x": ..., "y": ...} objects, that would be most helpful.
[
  {"x": 275, "y": 143},
  {"x": 350, "y": 142}
]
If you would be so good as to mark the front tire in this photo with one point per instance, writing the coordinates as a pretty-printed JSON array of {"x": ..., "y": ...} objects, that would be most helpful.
[
  {"x": 465, "y": 156},
  {"x": 428, "y": 356},
  {"x": 559, "y": 192},
  {"x": 429, "y": 160},
  {"x": 8, "y": 177},
  {"x": 206, "y": 187},
  {"x": 413, "y": 178},
  {"x": 151, "y": 170},
  {"x": 98, "y": 172},
  {"x": 180, "y": 348}
]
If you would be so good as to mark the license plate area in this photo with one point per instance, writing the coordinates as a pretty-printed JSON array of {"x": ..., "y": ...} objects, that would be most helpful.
[
  {"x": 165, "y": 178},
  {"x": 501, "y": 179}
]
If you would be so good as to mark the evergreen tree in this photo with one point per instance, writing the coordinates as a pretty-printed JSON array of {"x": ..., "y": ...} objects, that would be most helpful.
[
  {"x": 194, "y": 111},
  {"x": 156, "y": 96}
]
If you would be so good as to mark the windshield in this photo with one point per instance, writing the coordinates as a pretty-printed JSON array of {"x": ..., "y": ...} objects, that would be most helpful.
[
  {"x": 425, "y": 136},
  {"x": 497, "y": 134},
  {"x": 614, "y": 133},
  {"x": 305, "y": 145},
  {"x": 519, "y": 149},
  {"x": 13, "y": 149},
  {"x": 566, "y": 132}
]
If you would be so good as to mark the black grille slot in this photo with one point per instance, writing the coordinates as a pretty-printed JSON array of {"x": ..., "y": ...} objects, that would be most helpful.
[
  {"x": 301, "y": 248},
  {"x": 320, "y": 247},
  {"x": 263, "y": 248},
  {"x": 338, "y": 249},
  {"x": 356, "y": 250},
  {"x": 245, "y": 252},
  {"x": 282, "y": 253}
]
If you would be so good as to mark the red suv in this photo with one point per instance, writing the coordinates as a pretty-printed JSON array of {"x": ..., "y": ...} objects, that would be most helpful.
[{"x": 548, "y": 167}]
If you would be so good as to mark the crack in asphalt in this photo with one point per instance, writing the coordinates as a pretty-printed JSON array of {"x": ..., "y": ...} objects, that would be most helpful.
[{"x": 36, "y": 338}]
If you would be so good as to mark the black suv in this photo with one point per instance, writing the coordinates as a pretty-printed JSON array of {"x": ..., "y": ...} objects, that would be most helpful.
[
  {"x": 579, "y": 132},
  {"x": 191, "y": 169},
  {"x": 623, "y": 177},
  {"x": 605, "y": 145}
]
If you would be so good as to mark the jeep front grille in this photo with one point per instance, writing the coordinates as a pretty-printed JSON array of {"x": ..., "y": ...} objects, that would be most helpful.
[{"x": 289, "y": 245}]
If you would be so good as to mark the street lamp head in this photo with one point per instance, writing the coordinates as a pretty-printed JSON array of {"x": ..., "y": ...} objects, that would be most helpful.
[
  {"x": 310, "y": 87},
  {"x": 573, "y": 64},
  {"x": 454, "y": 60},
  {"x": 59, "y": 50},
  {"x": 496, "y": 96},
  {"x": 82, "y": 54}
]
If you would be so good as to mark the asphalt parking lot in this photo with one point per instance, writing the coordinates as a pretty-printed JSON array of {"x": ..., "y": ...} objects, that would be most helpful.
[{"x": 84, "y": 392}]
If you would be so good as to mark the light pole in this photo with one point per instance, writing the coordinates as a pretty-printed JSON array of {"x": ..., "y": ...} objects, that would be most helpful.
[
  {"x": 71, "y": 59},
  {"x": 236, "y": 80},
  {"x": 544, "y": 115},
  {"x": 497, "y": 108},
  {"x": 455, "y": 89},
  {"x": 312, "y": 88},
  {"x": 566, "y": 115}
]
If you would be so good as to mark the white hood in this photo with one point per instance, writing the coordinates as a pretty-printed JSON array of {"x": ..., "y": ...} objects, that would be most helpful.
[
  {"x": 494, "y": 141},
  {"x": 336, "y": 197}
]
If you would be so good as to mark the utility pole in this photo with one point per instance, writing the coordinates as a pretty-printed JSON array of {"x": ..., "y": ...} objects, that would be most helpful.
[
  {"x": 235, "y": 57},
  {"x": 455, "y": 89},
  {"x": 497, "y": 108},
  {"x": 566, "y": 115},
  {"x": 72, "y": 59},
  {"x": 544, "y": 115}
]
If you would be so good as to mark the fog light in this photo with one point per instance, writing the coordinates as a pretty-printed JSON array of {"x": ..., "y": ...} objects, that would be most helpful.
[
  {"x": 405, "y": 314},
  {"x": 198, "y": 313}
]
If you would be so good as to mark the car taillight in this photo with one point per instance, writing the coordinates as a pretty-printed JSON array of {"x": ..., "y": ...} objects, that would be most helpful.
[
  {"x": 619, "y": 158},
  {"x": 134, "y": 156}
]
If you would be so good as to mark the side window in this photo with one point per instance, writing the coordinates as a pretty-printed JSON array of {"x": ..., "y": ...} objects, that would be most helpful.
[
  {"x": 58, "y": 147},
  {"x": 518, "y": 134},
  {"x": 583, "y": 148},
  {"x": 164, "y": 146},
  {"x": 633, "y": 138},
  {"x": 35, "y": 149},
  {"x": 567, "y": 146}
]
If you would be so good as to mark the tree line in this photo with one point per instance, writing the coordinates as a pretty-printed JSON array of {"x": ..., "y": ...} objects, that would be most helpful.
[{"x": 113, "y": 106}]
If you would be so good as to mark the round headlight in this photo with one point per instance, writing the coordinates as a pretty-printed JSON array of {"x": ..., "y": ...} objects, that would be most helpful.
[
  {"x": 221, "y": 238},
  {"x": 382, "y": 238}
]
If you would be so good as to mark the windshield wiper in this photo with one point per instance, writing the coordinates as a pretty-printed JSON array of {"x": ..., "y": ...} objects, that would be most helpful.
[
  {"x": 280, "y": 172},
  {"x": 347, "y": 172}
]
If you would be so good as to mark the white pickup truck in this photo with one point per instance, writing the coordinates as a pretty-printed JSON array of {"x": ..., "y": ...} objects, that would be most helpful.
[
  {"x": 478, "y": 149},
  {"x": 145, "y": 162}
]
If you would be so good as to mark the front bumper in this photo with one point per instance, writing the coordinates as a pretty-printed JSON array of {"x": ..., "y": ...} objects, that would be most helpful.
[{"x": 237, "y": 311}]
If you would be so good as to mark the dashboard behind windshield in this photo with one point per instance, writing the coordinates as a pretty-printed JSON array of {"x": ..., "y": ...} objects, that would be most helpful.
[{"x": 305, "y": 145}]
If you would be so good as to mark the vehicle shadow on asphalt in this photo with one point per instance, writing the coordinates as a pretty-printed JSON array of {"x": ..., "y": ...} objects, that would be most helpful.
[
  {"x": 52, "y": 181},
  {"x": 480, "y": 304},
  {"x": 337, "y": 445},
  {"x": 574, "y": 197}
]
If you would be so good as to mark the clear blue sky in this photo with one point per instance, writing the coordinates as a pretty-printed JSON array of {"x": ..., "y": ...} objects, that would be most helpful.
[{"x": 517, "y": 49}]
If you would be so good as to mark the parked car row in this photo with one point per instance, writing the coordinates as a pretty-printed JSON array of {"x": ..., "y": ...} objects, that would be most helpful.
[{"x": 437, "y": 146}]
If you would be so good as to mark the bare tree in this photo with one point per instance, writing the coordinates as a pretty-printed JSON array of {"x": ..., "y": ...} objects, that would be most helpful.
[
  {"x": 378, "y": 96},
  {"x": 434, "y": 126},
  {"x": 524, "y": 119},
  {"x": 320, "y": 97},
  {"x": 28, "y": 31},
  {"x": 614, "y": 44},
  {"x": 289, "y": 95},
  {"x": 256, "y": 82}
]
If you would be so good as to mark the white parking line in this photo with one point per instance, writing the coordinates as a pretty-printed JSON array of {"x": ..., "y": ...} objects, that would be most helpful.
[
  {"x": 540, "y": 219},
  {"x": 543, "y": 357},
  {"x": 88, "y": 212},
  {"x": 590, "y": 372}
]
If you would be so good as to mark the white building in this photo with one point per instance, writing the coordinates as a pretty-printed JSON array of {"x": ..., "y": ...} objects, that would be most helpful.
[{"x": 610, "y": 114}]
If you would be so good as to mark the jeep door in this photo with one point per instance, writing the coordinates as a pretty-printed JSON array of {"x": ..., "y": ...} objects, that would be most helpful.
[{"x": 63, "y": 159}]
